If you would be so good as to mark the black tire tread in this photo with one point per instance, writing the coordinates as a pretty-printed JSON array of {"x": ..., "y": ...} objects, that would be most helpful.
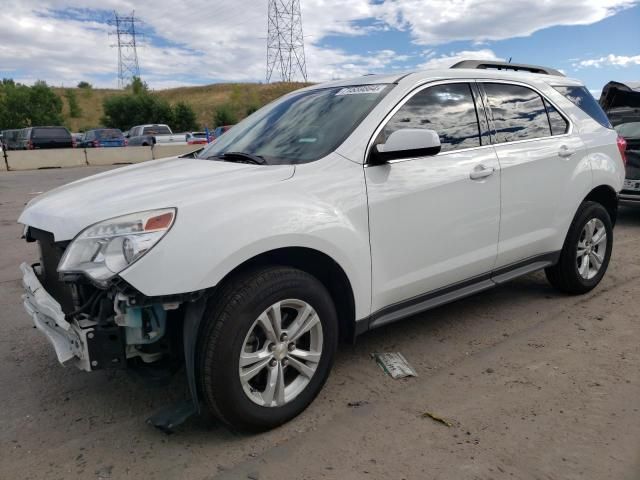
[
  {"x": 562, "y": 276},
  {"x": 220, "y": 309}
]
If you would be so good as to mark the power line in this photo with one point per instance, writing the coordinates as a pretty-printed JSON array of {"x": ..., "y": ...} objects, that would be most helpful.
[
  {"x": 125, "y": 32},
  {"x": 285, "y": 41}
]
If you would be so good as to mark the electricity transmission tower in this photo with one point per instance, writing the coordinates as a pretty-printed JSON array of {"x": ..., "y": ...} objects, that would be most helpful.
[
  {"x": 285, "y": 42},
  {"x": 125, "y": 33}
]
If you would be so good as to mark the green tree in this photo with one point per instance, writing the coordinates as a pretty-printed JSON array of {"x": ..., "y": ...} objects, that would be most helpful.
[
  {"x": 184, "y": 118},
  {"x": 84, "y": 84},
  {"x": 74, "y": 109},
  {"x": 45, "y": 107},
  {"x": 125, "y": 111},
  {"x": 23, "y": 106},
  {"x": 137, "y": 86},
  {"x": 224, "y": 115}
]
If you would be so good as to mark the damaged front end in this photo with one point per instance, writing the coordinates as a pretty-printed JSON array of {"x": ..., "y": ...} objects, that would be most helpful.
[{"x": 96, "y": 326}]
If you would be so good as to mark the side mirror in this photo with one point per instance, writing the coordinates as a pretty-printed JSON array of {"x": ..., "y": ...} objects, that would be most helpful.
[{"x": 406, "y": 143}]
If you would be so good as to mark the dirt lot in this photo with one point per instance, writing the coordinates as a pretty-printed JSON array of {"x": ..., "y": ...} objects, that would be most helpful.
[{"x": 536, "y": 385}]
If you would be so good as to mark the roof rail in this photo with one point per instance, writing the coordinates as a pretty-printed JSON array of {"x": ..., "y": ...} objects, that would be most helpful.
[{"x": 491, "y": 64}]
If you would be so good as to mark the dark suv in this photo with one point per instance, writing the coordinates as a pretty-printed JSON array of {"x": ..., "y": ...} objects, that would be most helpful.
[
  {"x": 45, "y": 137},
  {"x": 621, "y": 102}
]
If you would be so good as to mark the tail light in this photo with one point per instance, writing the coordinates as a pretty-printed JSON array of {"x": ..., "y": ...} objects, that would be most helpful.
[
  {"x": 126, "y": 142},
  {"x": 622, "y": 147},
  {"x": 29, "y": 145},
  {"x": 96, "y": 143}
]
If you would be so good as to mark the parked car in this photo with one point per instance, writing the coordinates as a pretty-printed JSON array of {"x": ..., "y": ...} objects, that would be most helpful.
[
  {"x": 33, "y": 138},
  {"x": 196, "y": 138},
  {"x": 332, "y": 211},
  {"x": 103, "y": 137},
  {"x": 148, "y": 135},
  {"x": 77, "y": 137},
  {"x": 218, "y": 131},
  {"x": 621, "y": 102},
  {"x": 10, "y": 139}
]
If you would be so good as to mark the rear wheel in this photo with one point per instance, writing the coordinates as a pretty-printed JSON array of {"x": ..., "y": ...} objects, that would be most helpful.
[
  {"x": 586, "y": 252},
  {"x": 266, "y": 347}
]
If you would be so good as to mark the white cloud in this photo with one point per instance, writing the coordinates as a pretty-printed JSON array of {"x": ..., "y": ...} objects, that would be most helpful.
[
  {"x": 199, "y": 41},
  {"x": 441, "y": 21},
  {"x": 610, "y": 60},
  {"x": 445, "y": 61}
]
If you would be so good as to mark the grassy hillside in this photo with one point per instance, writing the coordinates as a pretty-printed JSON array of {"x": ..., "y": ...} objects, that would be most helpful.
[{"x": 204, "y": 100}]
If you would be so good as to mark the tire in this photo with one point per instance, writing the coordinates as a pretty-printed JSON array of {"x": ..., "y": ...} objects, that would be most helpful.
[
  {"x": 568, "y": 275},
  {"x": 234, "y": 324}
]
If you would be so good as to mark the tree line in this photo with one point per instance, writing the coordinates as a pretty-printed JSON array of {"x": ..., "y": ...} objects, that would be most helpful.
[
  {"x": 38, "y": 105},
  {"x": 22, "y": 106}
]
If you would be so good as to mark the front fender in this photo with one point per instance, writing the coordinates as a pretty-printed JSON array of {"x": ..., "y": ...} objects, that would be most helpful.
[{"x": 322, "y": 207}]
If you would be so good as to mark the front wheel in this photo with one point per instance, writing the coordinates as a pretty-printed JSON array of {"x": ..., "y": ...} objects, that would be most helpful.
[
  {"x": 266, "y": 347},
  {"x": 586, "y": 252}
]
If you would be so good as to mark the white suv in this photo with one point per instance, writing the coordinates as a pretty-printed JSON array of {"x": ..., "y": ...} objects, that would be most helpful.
[{"x": 331, "y": 211}]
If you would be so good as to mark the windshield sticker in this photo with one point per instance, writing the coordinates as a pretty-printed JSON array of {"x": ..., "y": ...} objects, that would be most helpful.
[{"x": 361, "y": 89}]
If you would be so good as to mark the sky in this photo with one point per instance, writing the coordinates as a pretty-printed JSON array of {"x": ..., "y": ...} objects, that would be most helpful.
[{"x": 198, "y": 42}]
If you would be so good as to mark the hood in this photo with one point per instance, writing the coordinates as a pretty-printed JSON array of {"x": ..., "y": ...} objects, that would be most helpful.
[
  {"x": 174, "y": 182},
  {"x": 617, "y": 95}
]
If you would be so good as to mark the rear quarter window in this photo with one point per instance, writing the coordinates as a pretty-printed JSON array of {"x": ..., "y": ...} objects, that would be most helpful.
[
  {"x": 51, "y": 133},
  {"x": 157, "y": 130},
  {"x": 583, "y": 99}
]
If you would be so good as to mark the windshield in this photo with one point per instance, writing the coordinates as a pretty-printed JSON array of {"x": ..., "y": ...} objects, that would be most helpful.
[{"x": 301, "y": 127}]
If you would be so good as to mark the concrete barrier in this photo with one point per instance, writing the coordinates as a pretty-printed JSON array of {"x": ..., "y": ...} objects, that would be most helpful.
[
  {"x": 116, "y": 155},
  {"x": 51, "y": 158},
  {"x": 164, "y": 151}
]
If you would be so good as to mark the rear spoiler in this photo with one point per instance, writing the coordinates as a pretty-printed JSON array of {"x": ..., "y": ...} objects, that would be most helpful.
[{"x": 516, "y": 67}]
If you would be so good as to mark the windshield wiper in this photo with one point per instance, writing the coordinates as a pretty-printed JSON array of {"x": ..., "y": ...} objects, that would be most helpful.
[{"x": 243, "y": 157}]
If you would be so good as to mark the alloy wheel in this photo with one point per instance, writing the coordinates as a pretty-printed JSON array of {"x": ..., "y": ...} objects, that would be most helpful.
[
  {"x": 280, "y": 353},
  {"x": 592, "y": 246}
]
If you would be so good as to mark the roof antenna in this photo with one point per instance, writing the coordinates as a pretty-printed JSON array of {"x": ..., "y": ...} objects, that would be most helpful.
[{"x": 509, "y": 59}]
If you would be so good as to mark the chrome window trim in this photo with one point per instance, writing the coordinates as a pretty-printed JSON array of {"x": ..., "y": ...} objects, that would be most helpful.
[
  {"x": 417, "y": 89},
  {"x": 543, "y": 96},
  {"x": 432, "y": 83}
]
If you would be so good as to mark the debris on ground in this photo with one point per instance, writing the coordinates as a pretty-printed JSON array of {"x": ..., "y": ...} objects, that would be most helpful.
[
  {"x": 394, "y": 365},
  {"x": 357, "y": 404},
  {"x": 436, "y": 418}
]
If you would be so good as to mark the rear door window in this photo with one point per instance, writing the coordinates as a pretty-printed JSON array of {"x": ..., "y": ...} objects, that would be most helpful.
[
  {"x": 449, "y": 109},
  {"x": 518, "y": 112},
  {"x": 581, "y": 97}
]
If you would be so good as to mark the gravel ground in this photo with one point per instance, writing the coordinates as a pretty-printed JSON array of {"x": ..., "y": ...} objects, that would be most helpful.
[{"x": 535, "y": 385}]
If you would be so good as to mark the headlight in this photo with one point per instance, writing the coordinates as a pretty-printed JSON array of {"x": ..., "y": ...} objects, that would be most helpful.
[{"x": 104, "y": 249}]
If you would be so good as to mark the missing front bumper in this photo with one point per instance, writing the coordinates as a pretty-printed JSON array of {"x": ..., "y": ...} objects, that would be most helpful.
[{"x": 68, "y": 339}]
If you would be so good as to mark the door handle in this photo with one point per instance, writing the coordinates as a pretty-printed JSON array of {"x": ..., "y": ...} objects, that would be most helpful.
[
  {"x": 565, "y": 151},
  {"x": 480, "y": 172}
]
